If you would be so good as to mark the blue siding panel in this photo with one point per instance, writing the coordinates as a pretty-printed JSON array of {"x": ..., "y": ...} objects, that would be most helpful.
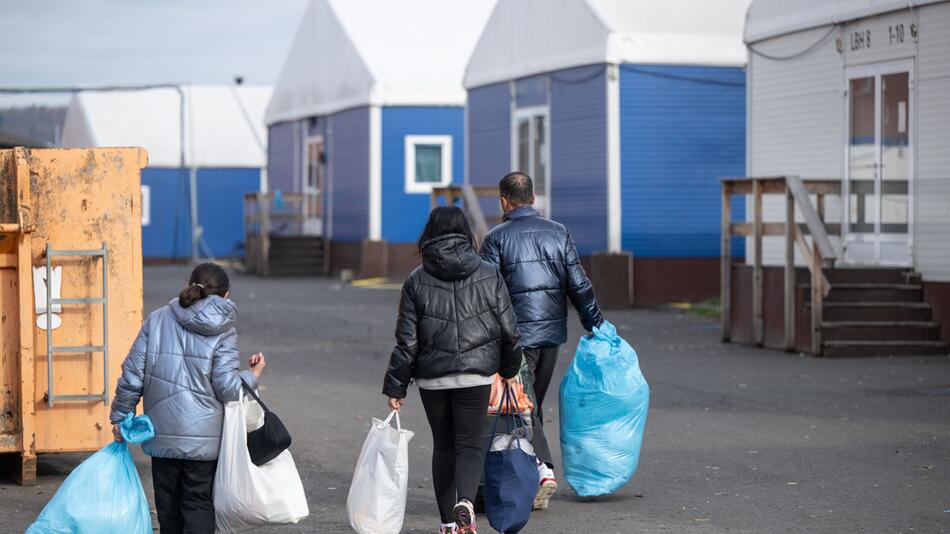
[
  {"x": 489, "y": 133},
  {"x": 531, "y": 91},
  {"x": 221, "y": 208},
  {"x": 404, "y": 214},
  {"x": 681, "y": 129},
  {"x": 348, "y": 160},
  {"x": 579, "y": 155},
  {"x": 282, "y": 156},
  {"x": 169, "y": 230}
]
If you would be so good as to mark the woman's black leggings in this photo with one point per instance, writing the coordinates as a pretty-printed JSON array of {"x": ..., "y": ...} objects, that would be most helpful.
[{"x": 457, "y": 418}]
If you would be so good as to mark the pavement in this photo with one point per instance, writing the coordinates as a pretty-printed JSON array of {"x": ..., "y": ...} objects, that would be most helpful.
[{"x": 738, "y": 439}]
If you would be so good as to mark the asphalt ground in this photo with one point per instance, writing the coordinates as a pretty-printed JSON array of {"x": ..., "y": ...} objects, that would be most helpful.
[{"x": 738, "y": 439}]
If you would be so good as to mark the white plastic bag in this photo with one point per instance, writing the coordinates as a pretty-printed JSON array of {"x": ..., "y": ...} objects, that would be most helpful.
[
  {"x": 377, "y": 499},
  {"x": 247, "y": 496}
]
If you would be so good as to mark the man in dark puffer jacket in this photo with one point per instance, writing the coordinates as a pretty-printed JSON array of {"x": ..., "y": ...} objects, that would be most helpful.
[{"x": 539, "y": 262}]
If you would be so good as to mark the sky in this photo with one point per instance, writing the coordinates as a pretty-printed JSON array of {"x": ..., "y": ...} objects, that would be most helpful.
[{"x": 47, "y": 43}]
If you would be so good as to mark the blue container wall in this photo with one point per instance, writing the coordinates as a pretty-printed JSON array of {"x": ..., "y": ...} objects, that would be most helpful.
[
  {"x": 579, "y": 155},
  {"x": 220, "y": 211},
  {"x": 221, "y": 208},
  {"x": 348, "y": 165},
  {"x": 168, "y": 234},
  {"x": 682, "y": 128},
  {"x": 489, "y": 133},
  {"x": 404, "y": 214}
]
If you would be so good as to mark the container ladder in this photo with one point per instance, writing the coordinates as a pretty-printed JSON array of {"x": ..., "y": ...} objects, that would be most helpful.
[{"x": 103, "y": 255}]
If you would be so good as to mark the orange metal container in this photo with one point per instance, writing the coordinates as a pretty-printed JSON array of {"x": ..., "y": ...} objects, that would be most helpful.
[{"x": 65, "y": 199}]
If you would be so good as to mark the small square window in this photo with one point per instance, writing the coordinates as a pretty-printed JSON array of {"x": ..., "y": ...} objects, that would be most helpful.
[{"x": 428, "y": 162}]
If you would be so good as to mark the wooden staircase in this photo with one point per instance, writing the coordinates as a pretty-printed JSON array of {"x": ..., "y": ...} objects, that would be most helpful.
[
  {"x": 846, "y": 311},
  {"x": 876, "y": 312},
  {"x": 296, "y": 256},
  {"x": 276, "y": 244}
]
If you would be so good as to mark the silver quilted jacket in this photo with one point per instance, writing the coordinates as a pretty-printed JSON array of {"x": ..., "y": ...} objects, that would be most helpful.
[{"x": 185, "y": 364}]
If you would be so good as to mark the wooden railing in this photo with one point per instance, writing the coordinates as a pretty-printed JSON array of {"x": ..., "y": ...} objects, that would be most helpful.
[
  {"x": 261, "y": 218},
  {"x": 818, "y": 254},
  {"x": 470, "y": 197}
]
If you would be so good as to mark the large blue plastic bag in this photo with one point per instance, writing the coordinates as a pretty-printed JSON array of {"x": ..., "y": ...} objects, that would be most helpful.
[
  {"x": 103, "y": 495},
  {"x": 604, "y": 403}
]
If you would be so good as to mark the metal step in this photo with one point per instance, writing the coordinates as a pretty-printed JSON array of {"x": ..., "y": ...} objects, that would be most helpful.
[
  {"x": 880, "y": 330},
  {"x": 842, "y": 348},
  {"x": 875, "y": 311}
]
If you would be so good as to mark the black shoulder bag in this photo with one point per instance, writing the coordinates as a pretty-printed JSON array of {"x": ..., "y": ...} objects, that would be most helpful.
[{"x": 268, "y": 441}]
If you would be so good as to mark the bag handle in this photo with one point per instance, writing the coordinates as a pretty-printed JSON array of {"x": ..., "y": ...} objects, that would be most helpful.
[
  {"x": 507, "y": 399},
  {"x": 390, "y": 418},
  {"x": 258, "y": 399}
]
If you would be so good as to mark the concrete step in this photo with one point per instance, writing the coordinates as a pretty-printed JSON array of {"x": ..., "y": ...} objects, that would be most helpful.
[
  {"x": 842, "y": 348},
  {"x": 868, "y": 275},
  {"x": 875, "y": 311},
  {"x": 880, "y": 331},
  {"x": 875, "y": 292}
]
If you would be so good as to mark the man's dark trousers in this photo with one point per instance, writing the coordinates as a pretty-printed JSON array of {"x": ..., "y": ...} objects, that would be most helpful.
[{"x": 541, "y": 362}]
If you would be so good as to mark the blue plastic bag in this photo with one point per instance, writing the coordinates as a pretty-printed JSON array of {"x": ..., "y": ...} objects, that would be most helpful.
[
  {"x": 604, "y": 403},
  {"x": 103, "y": 495},
  {"x": 511, "y": 472}
]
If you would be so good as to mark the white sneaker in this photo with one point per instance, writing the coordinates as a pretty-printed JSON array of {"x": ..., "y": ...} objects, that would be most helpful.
[{"x": 546, "y": 488}]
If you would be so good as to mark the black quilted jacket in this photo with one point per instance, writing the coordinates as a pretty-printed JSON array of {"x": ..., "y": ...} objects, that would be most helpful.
[
  {"x": 541, "y": 267},
  {"x": 455, "y": 316}
]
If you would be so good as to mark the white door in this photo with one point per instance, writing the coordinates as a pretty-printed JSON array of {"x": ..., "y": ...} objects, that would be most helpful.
[
  {"x": 312, "y": 187},
  {"x": 530, "y": 152},
  {"x": 879, "y": 165}
]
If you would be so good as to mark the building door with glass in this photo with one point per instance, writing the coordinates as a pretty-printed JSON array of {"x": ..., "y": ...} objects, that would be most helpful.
[
  {"x": 879, "y": 165},
  {"x": 315, "y": 164},
  {"x": 530, "y": 152}
]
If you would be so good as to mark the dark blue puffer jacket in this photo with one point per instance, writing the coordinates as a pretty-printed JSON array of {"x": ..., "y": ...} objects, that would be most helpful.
[{"x": 539, "y": 262}]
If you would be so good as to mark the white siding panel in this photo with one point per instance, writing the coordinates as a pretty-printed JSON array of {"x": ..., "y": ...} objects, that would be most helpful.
[
  {"x": 933, "y": 145},
  {"x": 796, "y": 120}
]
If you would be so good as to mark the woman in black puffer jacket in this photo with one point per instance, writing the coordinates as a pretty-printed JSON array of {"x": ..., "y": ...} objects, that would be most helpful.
[{"x": 456, "y": 329}]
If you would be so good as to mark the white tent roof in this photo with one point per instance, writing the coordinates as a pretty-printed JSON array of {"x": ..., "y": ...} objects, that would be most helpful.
[
  {"x": 224, "y": 125},
  {"x": 351, "y": 53},
  {"x": 770, "y": 18},
  {"x": 525, "y": 37}
]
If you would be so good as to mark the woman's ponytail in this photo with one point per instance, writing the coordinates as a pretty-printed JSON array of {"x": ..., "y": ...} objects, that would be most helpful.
[
  {"x": 207, "y": 279},
  {"x": 191, "y": 295}
]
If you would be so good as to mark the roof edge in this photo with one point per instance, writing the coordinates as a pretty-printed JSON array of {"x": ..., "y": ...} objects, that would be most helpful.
[
  {"x": 338, "y": 106},
  {"x": 809, "y": 19}
]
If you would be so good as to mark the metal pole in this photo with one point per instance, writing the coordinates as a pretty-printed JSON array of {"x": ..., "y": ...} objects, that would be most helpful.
[
  {"x": 193, "y": 197},
  {"x": 182, "y": 163}
]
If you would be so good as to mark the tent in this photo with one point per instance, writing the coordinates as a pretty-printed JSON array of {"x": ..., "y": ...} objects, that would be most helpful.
[
  {"x": 224, "y": 144},
  {"x": 625, "y": 113}
]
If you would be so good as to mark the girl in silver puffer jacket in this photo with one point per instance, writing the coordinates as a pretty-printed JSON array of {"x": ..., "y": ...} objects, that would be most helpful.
[{"x": 185, "y": 365}]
